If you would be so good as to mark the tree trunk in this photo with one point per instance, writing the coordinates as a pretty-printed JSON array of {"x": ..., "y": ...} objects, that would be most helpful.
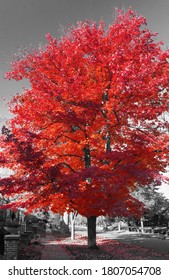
[
  {"x": 73, "y": 217},
  {"x": 91, "y": 221},
  {"x": 142, "y": 225},
  {"x": 91, "y": 228},
  {"x": 119, "y": 225},
  {"x": 66, "y": 218},
  {"x": 64, "y": 224},
  {"x": 73, "y": 230},
  {"x": 105, "y": 228}
]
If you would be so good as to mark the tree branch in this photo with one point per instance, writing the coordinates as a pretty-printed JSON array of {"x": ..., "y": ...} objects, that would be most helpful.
[
  {"x": 66, "y": 164},
  {"x": 69, "y": 155},
  {"x": 78, "y": 142}
]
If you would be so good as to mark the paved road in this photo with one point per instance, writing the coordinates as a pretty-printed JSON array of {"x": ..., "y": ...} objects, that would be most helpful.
[{"x": 147, "y": 241}]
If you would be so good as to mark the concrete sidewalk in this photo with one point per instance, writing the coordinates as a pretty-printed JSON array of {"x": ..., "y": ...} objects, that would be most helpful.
[{"x": 52, "y": 250}]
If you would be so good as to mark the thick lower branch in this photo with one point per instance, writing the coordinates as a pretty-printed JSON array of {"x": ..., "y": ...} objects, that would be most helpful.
[{"x": 87, "y": 157}]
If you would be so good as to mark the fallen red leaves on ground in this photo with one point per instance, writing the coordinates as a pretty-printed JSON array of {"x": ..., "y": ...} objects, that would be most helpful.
[
  {"x": 109, "y": 249},
  {"x": 30, "y": 251}
]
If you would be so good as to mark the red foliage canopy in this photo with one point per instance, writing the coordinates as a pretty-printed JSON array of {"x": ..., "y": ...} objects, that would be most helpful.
[{"x": 91, "y": 128}]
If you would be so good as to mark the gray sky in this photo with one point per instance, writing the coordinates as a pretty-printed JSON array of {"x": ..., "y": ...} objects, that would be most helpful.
[{"x": 24, "y": 23}]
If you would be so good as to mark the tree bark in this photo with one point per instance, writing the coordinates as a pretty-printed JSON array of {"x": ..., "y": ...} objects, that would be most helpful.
[
  {"x": 66, "y": 218},
  {"x": 64, "y": 224},
  {"x": 142, "y": 225},
  {"x": 119, "y": 225},
  {"x": 91, "y": 221},
  {"x": 73, "y": 230},
  {"x": 91, "y": 228},
  {"x": 73, "y": 217},
  {"x": 87, "y": 157}
]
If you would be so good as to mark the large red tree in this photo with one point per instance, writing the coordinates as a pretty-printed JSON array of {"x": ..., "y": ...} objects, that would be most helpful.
[{"x": 90, "y": 128}]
